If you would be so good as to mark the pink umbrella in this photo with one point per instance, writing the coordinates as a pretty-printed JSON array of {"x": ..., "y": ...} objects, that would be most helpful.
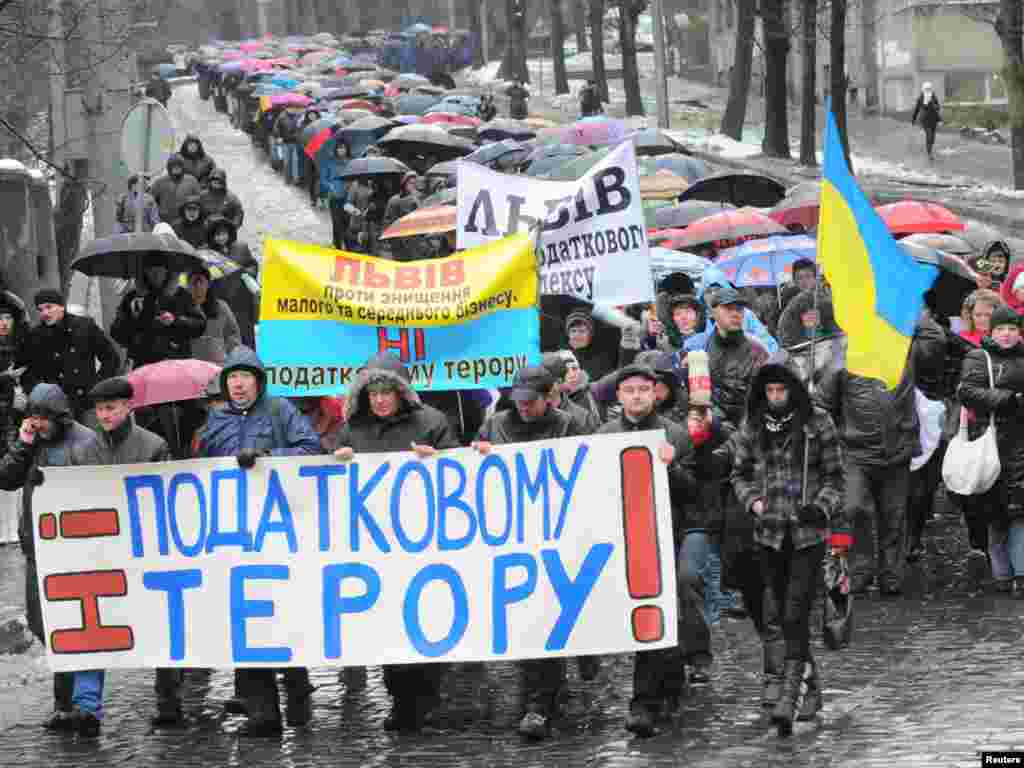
[
  {"x": 251, "y": 45},
  {"x": 232, "y": 55},
  {"x": 597, "y": 133},
  {"x": 171, "y": 380},
  {"x": 288, "y": 100},
  {"x": 255, "y": 65},
  {"x": 447, "y": 118}
]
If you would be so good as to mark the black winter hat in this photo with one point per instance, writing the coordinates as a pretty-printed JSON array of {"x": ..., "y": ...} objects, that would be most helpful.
[
  {"x": 577, "y": 317},
  {"x": 636, "y": 370},
  {"x": 1004, "y": 315},
  {"x": 116, "y": 388},
  {"x": 49, "y": 296}
]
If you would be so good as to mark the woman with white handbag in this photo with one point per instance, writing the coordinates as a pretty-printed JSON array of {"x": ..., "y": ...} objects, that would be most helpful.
[{"x": 992, "y": 387}]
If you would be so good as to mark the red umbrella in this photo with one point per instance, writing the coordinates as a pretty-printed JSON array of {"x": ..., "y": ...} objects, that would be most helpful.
[
  {"x": 800, "y": 206},
  {"x": 911, "y": 216},
  {"x": 171, "y": 380},
  {"x": 727, "y": 225},
  {"x": 359, "y": 104},
  {"x": 447, "y": 118}
]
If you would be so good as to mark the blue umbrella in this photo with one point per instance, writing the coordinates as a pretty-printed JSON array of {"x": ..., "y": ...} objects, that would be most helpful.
[
  {"x": 548, "y": 157},
  {"x": 764, "y": 262},
  {"x": 415, "y": 104},
  {"x": 364, "y": 133},
  {"x": 453, "y": 108},
  {"x": 490, "y": 154},
  {"x": 504, "y": 128},
  {"x": 690, "y": 168}
]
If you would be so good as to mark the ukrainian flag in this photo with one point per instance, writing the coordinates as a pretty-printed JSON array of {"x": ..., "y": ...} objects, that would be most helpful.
[{"x": 877, "y": 288}]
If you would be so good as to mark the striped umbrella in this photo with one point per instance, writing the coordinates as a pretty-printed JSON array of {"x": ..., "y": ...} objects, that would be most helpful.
[{"x": 425, "y": 221}]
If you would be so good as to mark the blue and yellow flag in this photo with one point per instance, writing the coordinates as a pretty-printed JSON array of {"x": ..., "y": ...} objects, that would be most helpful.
[{"x": 877, "y": 288}]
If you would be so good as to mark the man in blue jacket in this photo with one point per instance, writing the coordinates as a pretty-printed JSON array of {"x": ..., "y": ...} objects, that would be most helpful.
[{"x": 252, "y": 425}]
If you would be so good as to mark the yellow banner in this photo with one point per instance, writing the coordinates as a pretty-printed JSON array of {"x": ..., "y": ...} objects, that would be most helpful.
[{"x": 308, "y": 282}]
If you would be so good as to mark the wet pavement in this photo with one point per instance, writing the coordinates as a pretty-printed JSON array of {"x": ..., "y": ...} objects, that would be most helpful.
[{"x": 931, "y": 679}]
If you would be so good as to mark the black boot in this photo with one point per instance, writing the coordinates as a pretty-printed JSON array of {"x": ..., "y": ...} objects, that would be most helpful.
[
  {"x": 1018, "y": 587},
  {"x": 792, "y": 696},
  {"x": 298, "y": 697},
  {"x": 812, "y": 698},
  {"x": 774, "y": 656},
  {"x": 641, "y": 717}
]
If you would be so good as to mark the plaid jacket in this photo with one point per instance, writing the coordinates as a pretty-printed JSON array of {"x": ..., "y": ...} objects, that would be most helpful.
[{"x": 773, "y": 471}]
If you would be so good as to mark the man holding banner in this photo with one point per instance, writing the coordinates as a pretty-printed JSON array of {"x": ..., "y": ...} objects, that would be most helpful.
[
  {"x": 385, "y": 414},
  {"x": 249, "y": 426}
]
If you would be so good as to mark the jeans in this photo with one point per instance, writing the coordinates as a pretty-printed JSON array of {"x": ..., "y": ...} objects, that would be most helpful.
[
  {"x": 876, "y": 498},
  {"x": 87, "y": 694},
  {"x": 293, "y": 163},
  {"x": 1006, "y": 549}
]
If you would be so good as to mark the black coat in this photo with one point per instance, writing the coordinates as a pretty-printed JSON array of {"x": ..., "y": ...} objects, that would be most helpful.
[
  {"x": 931, "y": 113},
  {"x": 983, "y": 400},
  {"x": 506, "y": 427},
  {"x": 145, "y": 338},
  {"x": 929, "y": 352},
  {"x": 733, "y": 361},
  {"x": 67, "y": 354}
]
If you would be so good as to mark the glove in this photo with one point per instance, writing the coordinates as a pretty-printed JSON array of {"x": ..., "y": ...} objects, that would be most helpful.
[
  {"x": 812, "y": 515},
  {"x": 1018, "y": 400},
  {"x": 247, "y": 457},
  {"x": 20, "y": 402},
  {"x": 37, "y": 477},
  {"x": 840, "y": 542},
  {"x": 350, "y": 209}
]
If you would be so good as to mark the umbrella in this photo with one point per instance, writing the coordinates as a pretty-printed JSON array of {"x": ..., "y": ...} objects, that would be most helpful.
[
  {"x": 909, "y": 216},
  {"x": 505, "y": 128},
  {"x": 981, "y": 236},
  {"x": 369, "y": 106},
  {"x": 373, "y": 84},
  {"x": 449, "y": 169},
  {"x": 436, "y": 220},
  {"x": 576, "y": 168},
  {"x": 365, "y": 132},
  {"x": 955, "y": 281},
  {"x": 539, "y": 123},
  {"x": 548, "y": 157},
  {"x": 491, "y": 154},
  {"x": 684, "y": 214},
  {"x": 410, "y": 80},
  {"x": 800, "y": 206},
  {"x": 651, "y": 141},
  {"x": 284, "y": 100},
  {"x": 170, "y": 381},
  {"x": 349, "y": 116},
  {"x": 126, "y": 256},
  {"x": 414, "y": 104},
  {"x": 447, "y": 118},
  {"x": 663, "y": 185},
  {"x": 740, "y": 189},
  {"x": 366, "y": 167},
  {"x": 761, "y": 263},
  {"x": 424, "y": 140},
  {"x": 165, "y": 70},
  {"x": 665, "y": 262},
  {"x": 690, "y": 168},
  {"x": 948, "y": 243},
  {"x": 454, "y": 108},
  {"x": 726, "y": 225},
  {"x": 603, "y": 133}
]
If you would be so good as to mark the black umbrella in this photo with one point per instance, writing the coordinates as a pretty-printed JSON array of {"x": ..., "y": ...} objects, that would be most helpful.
[
  {"x": 740, "y": 189},
  {"x": 421, "y": 146},
  {"x": 448, "y": 170},
  {"x": 366, "y": 167},
  {"x": 125, "y": 256},
  {"x": 684, "y": 214},
  {"x": 505, "y": 128},
  {"x": 955, "y": 281},
  {"x": 651, "y": 141}
]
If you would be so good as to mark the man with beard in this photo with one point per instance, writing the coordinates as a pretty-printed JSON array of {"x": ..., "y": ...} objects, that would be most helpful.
[
  {"x": 171, "y": 189},
  {"x": 384, "y": 413},
  {"x": 658, "y": 676},
  {"x": 531, "y": 420},
  {"x": 66, "y": 349},
  {"x": 50, "y": 437}
]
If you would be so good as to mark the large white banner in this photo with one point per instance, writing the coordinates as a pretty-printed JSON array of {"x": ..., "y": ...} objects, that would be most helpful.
[
  {"x": 594, "y": 238},
  {"x": 555, "y": 548}
]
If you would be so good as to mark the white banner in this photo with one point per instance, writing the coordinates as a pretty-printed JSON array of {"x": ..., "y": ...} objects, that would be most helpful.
[
  {"x": 555, "y": 548},
  {"x": 594, "y": 239}
]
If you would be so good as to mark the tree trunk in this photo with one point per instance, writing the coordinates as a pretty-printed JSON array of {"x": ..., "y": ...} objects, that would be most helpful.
[
  {"x": 837, "y": 62},
  {"x": 1009, "y": 28},
  {"x": 869, "y": 47},
  {"x": 808, "y": 96},
  {"x": 596, "y": 8},
  {"x": 513, "y": 63},
  {"x": 558, "y": 47},
  {"x": 476, "y": 28},
  {"x": 630, "y": 71},
  {"x": 72, "y": 200},
  {"x": 579, "y": 16},
  {"x": 776, "y": 54},
  {"x": 739, "y": 80}
]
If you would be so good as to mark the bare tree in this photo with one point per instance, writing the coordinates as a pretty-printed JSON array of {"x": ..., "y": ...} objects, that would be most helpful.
[
  {"x": 837, "y": 69},
  {"x": 869, "y": 49},
  {"x": 579, "y": 16},
  {"x": 596, "y": 10},
  {"x": 629, "y": 13},
  {"x": 1008, "y": 26},
  {"x": 808, "y": 95},
  {"x": 513, "y": 63},
  {"x": 739, "y": 80},
  {"x": 776, "y": 54},
  {"x": 558, "y": 47}
]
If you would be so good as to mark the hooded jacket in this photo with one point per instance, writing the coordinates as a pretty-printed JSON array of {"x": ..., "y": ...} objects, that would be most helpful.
[
  {"x": 671, "y": 340},
  {"x": 169, "y": 193},
  {"x": 1006, "y": 289},
  {"x": 221, "y": 334},
  {"x": 198, "y": 164},
  {"x": 791, "y": 330},
  {"x": 413, "y": 422},
  {"x": 192, "y": 232},
  {"x": 71, "y": 445},
  {"x": 67, "y": 354},
  {"x": 232, "y": 288},
  {"x": 270, "y": 424},
  {"x": 222, "y": 203},
  {"x": 145, "y": 338},
  {"x": 771, "y": 467}
]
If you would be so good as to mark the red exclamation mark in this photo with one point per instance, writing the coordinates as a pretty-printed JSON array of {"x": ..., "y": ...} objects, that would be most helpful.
[{"x": 643, "y": 556}]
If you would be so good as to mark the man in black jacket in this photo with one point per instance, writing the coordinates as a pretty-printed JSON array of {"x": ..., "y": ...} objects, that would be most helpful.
[
  {"x": 658, "y": 676},
  {"x": 190, "y": 225},
  {"x": 385, "y": 414},
  {"x": 531, "y": 420},
  {"x": 66, "y": 350},
  {"x": 173, "y": 187},
  {"x": 219, "y": 201}
]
